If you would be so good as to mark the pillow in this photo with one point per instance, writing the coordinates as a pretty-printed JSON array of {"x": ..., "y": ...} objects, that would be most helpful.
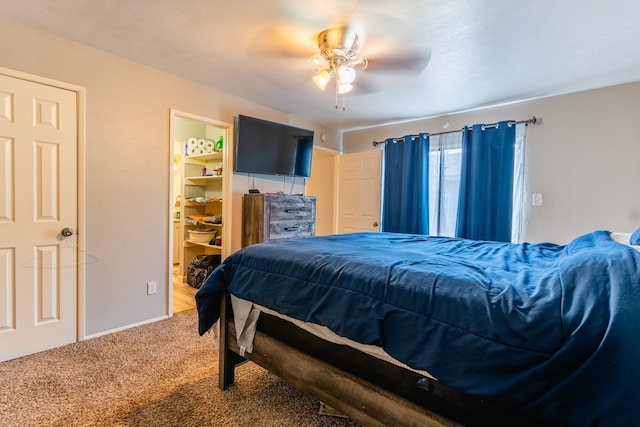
[
  {"x": 624, "y": 238},
  {"x": 635, "y": 238}
]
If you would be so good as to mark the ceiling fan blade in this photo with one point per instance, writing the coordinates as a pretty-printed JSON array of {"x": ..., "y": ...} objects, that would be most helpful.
[
  {"x": 283, "y": 41},
  {"x": 362, "y": 85},
  {"x": 402, "y": 63}
]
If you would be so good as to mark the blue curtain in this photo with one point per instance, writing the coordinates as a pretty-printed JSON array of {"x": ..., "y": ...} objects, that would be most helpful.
[
  {"x": 485, "y": 203},
  {"x": 405, "y": 206}
]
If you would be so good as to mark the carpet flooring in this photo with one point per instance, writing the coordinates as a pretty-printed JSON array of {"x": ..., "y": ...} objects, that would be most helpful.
[{"x": 160, "y": 374}]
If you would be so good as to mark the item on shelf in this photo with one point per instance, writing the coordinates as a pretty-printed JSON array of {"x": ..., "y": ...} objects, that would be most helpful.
[
  {"x": 201, "y": 236},
  {"x": 204, "y": 199},
  {"x": 199, "y": 146},
  {"x": 200, "y": 218},
  {"x": 219, "y": 144},
  {"x": 219, "y": 241},
  {"x": 213, "y": 219},
  {"x": 191, "y": 147}
]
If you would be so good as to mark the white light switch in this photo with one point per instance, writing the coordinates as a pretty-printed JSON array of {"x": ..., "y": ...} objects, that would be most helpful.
[
  {"x": 151, "y": 288},
  {"x": 537, "y": 199}
]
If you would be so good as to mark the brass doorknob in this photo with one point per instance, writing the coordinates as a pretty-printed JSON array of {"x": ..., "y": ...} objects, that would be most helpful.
[
  {"x": 67, "y": 232},
  {"x": 375, "y": 224}
]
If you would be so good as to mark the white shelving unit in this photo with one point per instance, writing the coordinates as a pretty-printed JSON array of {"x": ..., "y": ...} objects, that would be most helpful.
[{"x": 202, "y": 191}]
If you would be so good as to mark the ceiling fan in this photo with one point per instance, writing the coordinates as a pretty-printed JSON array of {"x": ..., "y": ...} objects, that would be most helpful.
[
  {"x": 334, "y": 54},
  {"x": 338, "y": 58}
]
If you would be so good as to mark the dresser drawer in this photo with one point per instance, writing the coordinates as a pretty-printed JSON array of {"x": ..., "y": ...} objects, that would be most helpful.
[
  {"x": 287, "y": 209},
  {"x": 279, "y": 230}
]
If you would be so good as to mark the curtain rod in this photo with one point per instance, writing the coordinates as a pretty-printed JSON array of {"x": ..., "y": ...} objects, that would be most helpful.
[{"x": 532, "y": 121}]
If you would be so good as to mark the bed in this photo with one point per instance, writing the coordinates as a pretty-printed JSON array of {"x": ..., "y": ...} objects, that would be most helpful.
[{"x": 466, "y": 332}]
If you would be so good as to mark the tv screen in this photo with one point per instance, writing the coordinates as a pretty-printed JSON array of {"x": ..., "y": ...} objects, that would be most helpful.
[{"x": 271, "y": 148}]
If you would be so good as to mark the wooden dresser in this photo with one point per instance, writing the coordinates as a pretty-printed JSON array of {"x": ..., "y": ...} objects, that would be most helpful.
[{"x": 272, "y": 217}]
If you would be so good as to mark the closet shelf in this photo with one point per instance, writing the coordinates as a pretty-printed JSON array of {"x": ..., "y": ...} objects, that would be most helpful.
[
  {"x": 203, "y": 158},
  {"x": 190, "y": 243},
  {"x": 201, "y": 180}
]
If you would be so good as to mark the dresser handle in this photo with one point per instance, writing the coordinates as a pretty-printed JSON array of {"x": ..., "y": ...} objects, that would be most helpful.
[
  {"x": 291, "y": 228},
  {"x": 292, "y": 211}
]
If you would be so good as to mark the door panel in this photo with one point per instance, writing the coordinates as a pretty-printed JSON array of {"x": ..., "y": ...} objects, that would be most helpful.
[
  {"x": 359, "y": 189},
  {"x": 38, "y": 198}
]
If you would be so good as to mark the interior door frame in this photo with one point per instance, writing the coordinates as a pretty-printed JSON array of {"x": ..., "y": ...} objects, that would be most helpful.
[
  {"x": 341, "y": 188},
  {"x": 80, "y": 190},
  {"x": 316, "y": 181},
  {"x": 226, "y": 192}
]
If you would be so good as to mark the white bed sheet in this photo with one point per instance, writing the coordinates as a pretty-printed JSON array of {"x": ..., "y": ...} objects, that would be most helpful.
[{"x": 246, "y": 317}]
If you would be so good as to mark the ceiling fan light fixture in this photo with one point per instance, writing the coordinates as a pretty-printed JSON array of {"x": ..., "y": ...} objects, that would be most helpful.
[
  {"x": 322, "y": 79},
  {"x": 344, "y": 88},
  {"x": 338, "y": 50},
  {"x": 346, "y": 75},
  {"x": 359, "y": 62},
  {"x": 318, "y": 62}
]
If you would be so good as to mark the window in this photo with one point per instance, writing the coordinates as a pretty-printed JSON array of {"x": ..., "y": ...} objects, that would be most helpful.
[
  {"x": 445, "y": 156},
  {"x": 445, "y": 153},
  {"x": 518, "y": 184}
]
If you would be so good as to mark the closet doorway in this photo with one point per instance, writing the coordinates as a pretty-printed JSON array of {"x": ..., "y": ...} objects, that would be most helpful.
[{"x": 200, "y": 183}]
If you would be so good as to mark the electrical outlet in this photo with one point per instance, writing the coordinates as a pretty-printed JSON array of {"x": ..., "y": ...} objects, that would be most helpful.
[
  {"x": 537, "y": 199},
  {"x": 151, "y": 288}
]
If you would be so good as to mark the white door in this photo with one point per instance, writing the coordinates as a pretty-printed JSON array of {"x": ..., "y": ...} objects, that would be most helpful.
[
  {"x": 38, "y": 199},
  {"x": 359, "y": 189}
]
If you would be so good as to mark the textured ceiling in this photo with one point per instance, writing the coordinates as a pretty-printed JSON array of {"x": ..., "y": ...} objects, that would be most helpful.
[{"x": 480, "y": 52}]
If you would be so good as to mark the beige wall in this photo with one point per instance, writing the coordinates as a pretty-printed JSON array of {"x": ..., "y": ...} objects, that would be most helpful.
[
  {"x": 583, "y": 158},
  {"x": 128, "y": 173},
  {"x": 322, "y": 185}
]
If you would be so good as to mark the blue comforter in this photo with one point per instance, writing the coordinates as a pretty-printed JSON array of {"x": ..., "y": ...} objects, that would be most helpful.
[{"x": 550, "y": 329}]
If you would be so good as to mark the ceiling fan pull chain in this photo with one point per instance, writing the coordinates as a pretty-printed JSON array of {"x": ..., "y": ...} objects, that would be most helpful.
[{"x": 344, "y": 108}]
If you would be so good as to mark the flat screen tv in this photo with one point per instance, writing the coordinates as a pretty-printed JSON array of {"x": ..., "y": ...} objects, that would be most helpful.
[{"x": 271, "y": 148}]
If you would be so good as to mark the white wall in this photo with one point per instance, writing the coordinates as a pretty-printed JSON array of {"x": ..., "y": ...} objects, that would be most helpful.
[
  {"x": 128, "y": 172},
  {"x": 583, "y": 158}
]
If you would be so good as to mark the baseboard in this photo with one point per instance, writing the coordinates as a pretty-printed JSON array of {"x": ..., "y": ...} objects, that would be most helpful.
[{"x": 124, "y": 328}]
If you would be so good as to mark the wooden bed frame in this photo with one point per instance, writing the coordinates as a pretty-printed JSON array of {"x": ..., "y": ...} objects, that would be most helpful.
[{"x": 368, "y": 390}]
